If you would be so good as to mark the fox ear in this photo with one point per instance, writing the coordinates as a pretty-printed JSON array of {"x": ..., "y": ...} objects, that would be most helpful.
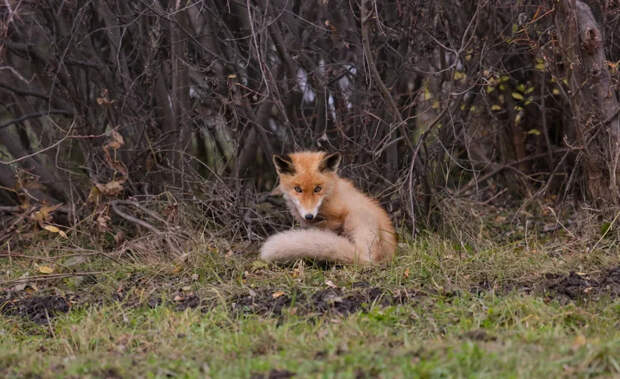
[
  {"x": 284, "y": 164},
  {"x": 330, "y": 162}
]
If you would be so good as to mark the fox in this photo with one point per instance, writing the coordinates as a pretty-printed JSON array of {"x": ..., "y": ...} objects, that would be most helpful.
[{"x": 340, "y": 223}]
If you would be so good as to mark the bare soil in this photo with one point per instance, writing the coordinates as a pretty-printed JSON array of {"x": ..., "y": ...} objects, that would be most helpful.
[
  {"x": 38, "y": 309},
  {"x": 338, "y": 301}
]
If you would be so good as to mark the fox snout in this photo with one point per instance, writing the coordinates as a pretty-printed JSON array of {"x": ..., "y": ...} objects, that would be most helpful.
[{"x": 309, "y": 211}]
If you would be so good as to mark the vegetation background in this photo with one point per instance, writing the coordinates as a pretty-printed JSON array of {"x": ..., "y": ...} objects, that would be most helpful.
[{"x": 135, "y": 155}]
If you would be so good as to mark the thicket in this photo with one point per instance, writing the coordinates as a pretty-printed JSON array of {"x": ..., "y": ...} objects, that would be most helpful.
[{"x": 156, "y": 115}]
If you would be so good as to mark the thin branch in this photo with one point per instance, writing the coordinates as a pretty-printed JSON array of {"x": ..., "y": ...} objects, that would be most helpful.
[
  {"x": 35, "y": 115},
  {"x": 412, "y": 164},
  {"x": 42, "y": 150},
  {"x": 40, "y": 278},
  {"x": 133, "y": 219}
]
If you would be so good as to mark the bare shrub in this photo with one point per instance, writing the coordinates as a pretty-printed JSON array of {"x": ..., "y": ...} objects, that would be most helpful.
[{"x": 429, "y": 102}]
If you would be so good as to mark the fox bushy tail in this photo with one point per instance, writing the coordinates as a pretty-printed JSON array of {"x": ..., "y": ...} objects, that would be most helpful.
[{"x": 310, "y": 243}]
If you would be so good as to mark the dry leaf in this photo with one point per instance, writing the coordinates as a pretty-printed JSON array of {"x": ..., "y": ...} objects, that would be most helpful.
[
  {"x": 331, "y": 284},
  {"x": 105, "y": 98},
  {"x": 257, "y": 265},
  {"x": 579, "y": 341},
  {"x": 112, "y": 188},
  {"x": 53, "y": 229},
  {"x": 45, "y": 269},
  {"x": 116, "y": 142},
  {"x": 406, "y": 273},
  {"x": 102, "y": 223},
  {"x": 277, "y": 294},
  {"x": 94, "y": 196},
  {"x": 45, "y": 212}
]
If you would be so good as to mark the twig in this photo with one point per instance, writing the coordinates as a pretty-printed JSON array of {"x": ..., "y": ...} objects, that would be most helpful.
[
  {"x": 24, "y": 93},
  {"x": 40, "y": 278},
  {"x": 133, "y": 219},
  {"x": 49, "y": 324},
  {"x": 16, "y": 73},
  {"x": 143, "y": 209},
  {"x": 611, "y": 225},
  {"x": 143, "y": 223},
  {"x": 42, "y": 150},
  {"x": 412, "y": 164},
  {"x": 542, "y": 190},
  {"x": 35, "y": 115},
  {"x": 557, "y": 220},
  {"x": 33, "y": 257},
  {"x": 500, "y": 168},
  {"x": 385, "y": 92}
]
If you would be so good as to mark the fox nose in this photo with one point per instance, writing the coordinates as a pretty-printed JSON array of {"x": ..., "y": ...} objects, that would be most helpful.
[{"x": 309, "y": 216}]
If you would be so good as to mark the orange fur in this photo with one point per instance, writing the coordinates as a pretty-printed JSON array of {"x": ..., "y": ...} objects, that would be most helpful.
[{"x": 346, "y": 225}]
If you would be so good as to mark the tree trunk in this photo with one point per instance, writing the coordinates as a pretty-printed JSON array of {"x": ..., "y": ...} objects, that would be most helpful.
[{"x": 593, "y": 101}]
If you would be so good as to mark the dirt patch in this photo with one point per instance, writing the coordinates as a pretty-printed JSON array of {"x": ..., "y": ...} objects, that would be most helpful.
[
  {"x": 264, "y": 302},
  {"x": 273, "y": 374},
  {"x": 326, "y": 301},
  {"x": 564, "y": 287},
  {"x": 361, "y": 374},
  {"x": 575, "y": 286},
  {"x": 109, "y": 373},
  {"x": 335, "y": 300},
  {"x": 478, "y": 335},
  {"x": 190, "y": 301},
  {"x": 36, "y": 308},
  {"x": 610, "y": 282}
]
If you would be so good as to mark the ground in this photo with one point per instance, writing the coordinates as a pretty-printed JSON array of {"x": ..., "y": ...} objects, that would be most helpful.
[{"x": 541, "y": 306}]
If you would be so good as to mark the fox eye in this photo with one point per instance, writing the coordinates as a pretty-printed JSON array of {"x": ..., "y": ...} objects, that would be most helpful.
[
  {"x": 317, "y": 189},
  {"x": 298, "y": 189}
]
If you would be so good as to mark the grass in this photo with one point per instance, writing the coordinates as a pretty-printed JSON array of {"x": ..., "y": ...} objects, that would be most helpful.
[{"x": 437, "y": 310}]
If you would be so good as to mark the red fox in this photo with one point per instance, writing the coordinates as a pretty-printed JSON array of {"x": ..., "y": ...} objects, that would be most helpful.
[{"x": 345, "y": 225}]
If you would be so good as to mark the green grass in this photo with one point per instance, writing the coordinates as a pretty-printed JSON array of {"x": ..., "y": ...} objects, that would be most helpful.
[{"x": 451, "y": 328}]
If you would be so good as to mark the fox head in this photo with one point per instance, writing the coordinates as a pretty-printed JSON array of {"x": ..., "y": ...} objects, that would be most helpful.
[{"x": 306, "y": 178}]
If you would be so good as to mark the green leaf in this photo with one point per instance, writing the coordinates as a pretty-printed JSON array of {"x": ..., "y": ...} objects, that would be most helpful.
[{"x": 427, "y": 94}]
